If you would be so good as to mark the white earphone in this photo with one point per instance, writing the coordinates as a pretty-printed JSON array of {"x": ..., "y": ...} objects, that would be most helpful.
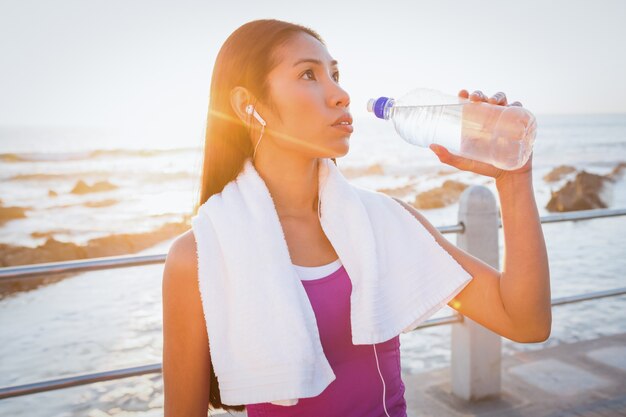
[{"x": 250, "y": 110}]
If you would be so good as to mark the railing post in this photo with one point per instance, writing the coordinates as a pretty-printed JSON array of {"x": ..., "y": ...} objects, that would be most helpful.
[{"x": 476, "y": 351}]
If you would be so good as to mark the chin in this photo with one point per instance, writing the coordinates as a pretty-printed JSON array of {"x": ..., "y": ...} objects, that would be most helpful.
[
  {"x": 339, "y": 151},
  {"x": 346, "y": 148}
]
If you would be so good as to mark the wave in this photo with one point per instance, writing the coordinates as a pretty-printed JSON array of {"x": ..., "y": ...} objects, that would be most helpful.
[
  {"x": 84, "y": 155},
  {"x": 89, "y": 204},
  {"x": 49, "y": 177},
  {"x": 72, "y": 176}
]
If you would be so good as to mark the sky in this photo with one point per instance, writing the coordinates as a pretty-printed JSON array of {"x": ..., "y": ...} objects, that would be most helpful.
[{"x": 147, "y": 65}]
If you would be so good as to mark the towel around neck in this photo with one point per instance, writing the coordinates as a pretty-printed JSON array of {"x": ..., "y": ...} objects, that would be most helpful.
[{"x": 263, "y": 335}]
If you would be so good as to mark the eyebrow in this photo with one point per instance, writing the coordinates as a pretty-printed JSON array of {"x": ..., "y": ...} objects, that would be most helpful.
[{"x": 313, "y": 61}]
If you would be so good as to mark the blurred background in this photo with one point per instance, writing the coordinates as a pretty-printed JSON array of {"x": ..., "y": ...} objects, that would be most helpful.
[{"x": 102, "y": 115}]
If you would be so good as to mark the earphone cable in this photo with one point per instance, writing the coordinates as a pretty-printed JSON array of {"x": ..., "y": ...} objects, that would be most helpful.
[
  {"x": 382, "y": 379},
  {"x": 258, "y": 142}
]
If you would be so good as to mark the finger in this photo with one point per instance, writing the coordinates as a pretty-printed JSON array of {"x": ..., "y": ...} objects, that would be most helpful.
[
  {"x": 453, "y": 160},
  {"x": 516, "y": 103},
  {"x": 463, "y": 94},
  {"x": 478, "y": 96},
  {"x": 498, "y": 98}
]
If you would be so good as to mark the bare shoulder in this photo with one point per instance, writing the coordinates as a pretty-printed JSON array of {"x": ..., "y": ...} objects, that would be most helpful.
[
  {"x": 181, "y": 264},
  {"x": 186, "y": 354}
]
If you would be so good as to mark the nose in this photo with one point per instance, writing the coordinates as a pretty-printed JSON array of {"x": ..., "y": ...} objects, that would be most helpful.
[{"x": 338, "y": 97}]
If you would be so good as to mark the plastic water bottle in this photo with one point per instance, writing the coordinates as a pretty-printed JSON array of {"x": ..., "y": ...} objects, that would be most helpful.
[{"x": 499, "y": 135}]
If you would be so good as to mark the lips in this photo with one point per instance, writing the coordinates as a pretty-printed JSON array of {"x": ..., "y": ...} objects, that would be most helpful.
[{"x": 345, "y": 120}]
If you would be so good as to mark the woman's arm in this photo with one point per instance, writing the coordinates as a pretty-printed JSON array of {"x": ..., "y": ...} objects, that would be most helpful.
[
  {"x": 516, "y": 302},
  {"x": 186, "y": 360},
  {"x": 525, "y": 282}
]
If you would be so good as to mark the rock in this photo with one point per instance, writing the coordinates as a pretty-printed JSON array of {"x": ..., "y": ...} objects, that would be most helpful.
[
  {"x": 375, "y": 169},
  {"x": 40, "y": 235},
  {"x": 51, "y": 251},
  {"x": 447, "y": 194},
  {"x": 102, "y": 203},
  {"x": 558, "y": 173},
  {"x": 617, "y": 171},
  {"x": 11, "y": 213},
  {"x": 61, "y": 251},
  {"x": 116, "y": 244},
  {"x": 10, "y": 157},
  {"x": 82, "y": 188},
  {"x": 444, "y": 172},
  {"x": 587, "y": 191},
  {"x": 123, "y": 243},
  {"x": 397, "y": 192}
]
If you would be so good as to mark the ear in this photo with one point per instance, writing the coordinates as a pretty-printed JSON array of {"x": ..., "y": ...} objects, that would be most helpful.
[{"x": 240, "y": 97}]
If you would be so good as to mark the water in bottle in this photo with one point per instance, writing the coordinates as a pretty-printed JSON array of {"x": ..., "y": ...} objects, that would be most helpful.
[{"x": 499, "y": 135}]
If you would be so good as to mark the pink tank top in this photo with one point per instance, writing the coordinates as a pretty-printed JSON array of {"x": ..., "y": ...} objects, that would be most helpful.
[{"x": 357, "y": 390}]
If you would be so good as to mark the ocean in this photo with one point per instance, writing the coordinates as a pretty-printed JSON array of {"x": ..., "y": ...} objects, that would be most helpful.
[{"x": 105, "y": 320}]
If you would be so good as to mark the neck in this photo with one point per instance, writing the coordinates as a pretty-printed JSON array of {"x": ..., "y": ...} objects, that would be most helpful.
[{"x": 293, "y": 184}]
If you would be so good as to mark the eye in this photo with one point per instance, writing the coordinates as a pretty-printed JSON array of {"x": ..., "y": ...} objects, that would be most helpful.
[
  {"x": 309, "y": 72},
  {"x": 336, "y": 76}
]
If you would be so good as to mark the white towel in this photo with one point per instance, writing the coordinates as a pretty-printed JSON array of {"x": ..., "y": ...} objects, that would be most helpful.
[{"x": 264, "y": 340}]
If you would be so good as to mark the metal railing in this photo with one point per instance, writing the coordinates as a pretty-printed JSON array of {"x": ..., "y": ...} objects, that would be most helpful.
[
  {"x": 467, "y": 217},
  {"x": 28, "y": 271}
]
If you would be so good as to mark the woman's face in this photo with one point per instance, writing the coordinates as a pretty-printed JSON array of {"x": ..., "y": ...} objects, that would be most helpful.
[{"x": 308, "y": 101}]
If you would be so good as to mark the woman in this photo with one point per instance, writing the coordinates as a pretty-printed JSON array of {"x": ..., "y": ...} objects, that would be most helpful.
[{"x": 276, "y": 98}]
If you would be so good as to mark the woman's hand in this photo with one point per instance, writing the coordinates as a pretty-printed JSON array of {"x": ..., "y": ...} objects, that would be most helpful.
[{"x": 478, "y": 167}]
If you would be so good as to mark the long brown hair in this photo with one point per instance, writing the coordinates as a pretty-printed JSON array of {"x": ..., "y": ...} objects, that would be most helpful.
[{"x": 245, "y": 60}]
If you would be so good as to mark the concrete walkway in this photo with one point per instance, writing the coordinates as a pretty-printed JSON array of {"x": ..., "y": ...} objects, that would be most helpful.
[{"x": 580, "y": 379}]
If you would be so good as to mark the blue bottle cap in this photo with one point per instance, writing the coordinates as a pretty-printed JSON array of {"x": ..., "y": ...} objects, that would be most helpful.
[{"x": 378, "y": 106}]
